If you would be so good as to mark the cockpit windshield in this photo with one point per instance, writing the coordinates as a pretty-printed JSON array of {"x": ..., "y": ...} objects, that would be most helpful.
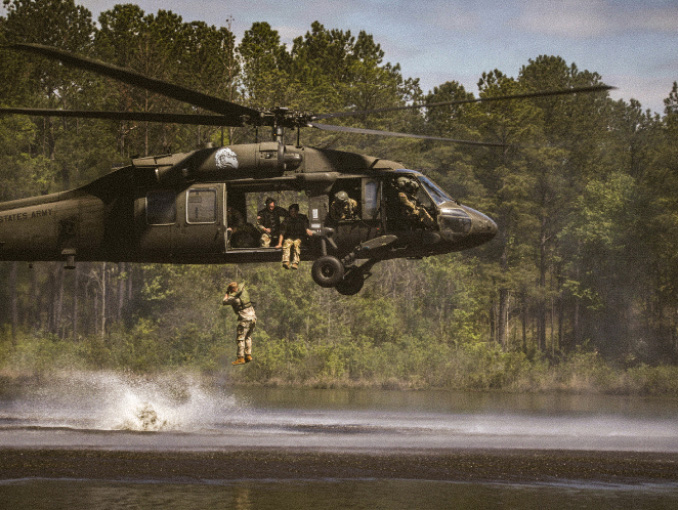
[{"x": 437, "y": 194}]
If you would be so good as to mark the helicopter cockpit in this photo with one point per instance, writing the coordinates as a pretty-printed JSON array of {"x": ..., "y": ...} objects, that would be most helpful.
[{"x": 455, "y": 223}]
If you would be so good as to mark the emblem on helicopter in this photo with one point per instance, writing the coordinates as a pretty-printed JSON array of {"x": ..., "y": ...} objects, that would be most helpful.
[{"x": 226, "y": 158}]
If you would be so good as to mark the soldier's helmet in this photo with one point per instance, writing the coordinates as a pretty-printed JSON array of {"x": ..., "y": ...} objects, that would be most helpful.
[
  {"x": 407, "y": 184},
  {"x": 342, "y": 197}
]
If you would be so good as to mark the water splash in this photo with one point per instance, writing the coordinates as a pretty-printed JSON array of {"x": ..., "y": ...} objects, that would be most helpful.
[{"x": 115, "y": 401}]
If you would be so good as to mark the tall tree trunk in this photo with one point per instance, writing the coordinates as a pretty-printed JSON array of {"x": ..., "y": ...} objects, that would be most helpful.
[
  {"x": 35, "y": 300},
  {"x": 504, "y": 294},
  {"x": 58, "y": 296},
  {"x": 129, "y": 304},
  {"x": 576, "y": 319},
  {"x": 51, "y": 296},
  {"x": 14, "y": 300},
  {"x": 103, "y": 300},
  {"x": 74, "y": 318},
  {"x": 122, "y": 277},
  {"x": 541, "y": 304},
  {"x": 502, "y": 318},
  {"x": 524, "y": 323}
]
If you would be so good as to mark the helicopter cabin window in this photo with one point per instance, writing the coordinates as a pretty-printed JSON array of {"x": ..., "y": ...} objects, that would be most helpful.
[
  {"x": 201, "y": 205},
  {"x": 161, "y": 207}
]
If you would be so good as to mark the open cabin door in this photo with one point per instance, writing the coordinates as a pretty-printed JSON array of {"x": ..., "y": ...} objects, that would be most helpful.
[{"x": 176, "y": 224}]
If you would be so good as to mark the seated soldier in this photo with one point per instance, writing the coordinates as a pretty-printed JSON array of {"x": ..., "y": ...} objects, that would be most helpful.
[
  {"x": 235, "y": 223},
  {"x": 234, "y": 220},
  {"x": 293, "y": 231},
  {"x": 343, "y": 207},
  {"x": 268, "y": 222},
  {"x": 410, "y": 208}
]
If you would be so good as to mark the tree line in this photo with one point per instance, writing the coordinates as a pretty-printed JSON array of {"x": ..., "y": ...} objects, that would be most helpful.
[{"x": 584, "y": 190}]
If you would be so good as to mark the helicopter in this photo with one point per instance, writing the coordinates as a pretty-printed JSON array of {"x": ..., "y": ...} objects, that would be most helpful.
[{"x": 175, "y": 208}]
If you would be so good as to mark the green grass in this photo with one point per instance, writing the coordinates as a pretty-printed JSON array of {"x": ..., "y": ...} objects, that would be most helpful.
[{"x": 411, "y": 363}]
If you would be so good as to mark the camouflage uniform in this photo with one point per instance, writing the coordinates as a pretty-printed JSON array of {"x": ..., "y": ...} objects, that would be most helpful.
[
  {"x": 294, "y": 231},
  {"x": 344, "y": 210},
  {"x": 417, "y": 215},
  {"x": 267, "y": 218},
  {"x": 247, "y": 320}
]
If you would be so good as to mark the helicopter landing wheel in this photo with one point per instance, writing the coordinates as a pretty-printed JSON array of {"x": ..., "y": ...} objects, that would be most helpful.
[
  {"x": 327, "y": 271},
  {"x": 351, "y": 285}
]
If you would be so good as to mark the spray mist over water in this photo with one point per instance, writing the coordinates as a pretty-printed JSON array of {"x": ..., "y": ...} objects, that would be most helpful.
[
  {"x": 114, "y": 401},
  {"x": 208, "y": 415}
]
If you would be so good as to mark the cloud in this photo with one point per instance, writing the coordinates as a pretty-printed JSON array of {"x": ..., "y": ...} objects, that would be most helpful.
[
  {"x": 596, "y": 18},
  {"x": 650, "y": 91}
]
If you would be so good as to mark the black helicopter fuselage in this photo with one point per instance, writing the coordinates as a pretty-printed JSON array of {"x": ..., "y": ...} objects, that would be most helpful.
[{"x": 179, "y": 209}]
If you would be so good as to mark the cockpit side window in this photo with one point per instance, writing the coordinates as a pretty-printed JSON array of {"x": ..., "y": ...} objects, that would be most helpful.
[
  {"x": 423, "y": 198},
  {"x": 437, "y": 194}
]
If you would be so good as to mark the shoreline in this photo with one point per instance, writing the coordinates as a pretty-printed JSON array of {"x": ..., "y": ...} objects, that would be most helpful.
[
  {"x": 9, "y": 379},
  {"x": 461, "y": 465}
]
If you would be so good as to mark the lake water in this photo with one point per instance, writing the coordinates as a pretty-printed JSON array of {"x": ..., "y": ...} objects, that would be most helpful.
[{"x": 106, "y": 412}]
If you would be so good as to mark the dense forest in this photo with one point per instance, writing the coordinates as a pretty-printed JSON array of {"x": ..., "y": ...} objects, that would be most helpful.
[{"x": 581, "y": 281}]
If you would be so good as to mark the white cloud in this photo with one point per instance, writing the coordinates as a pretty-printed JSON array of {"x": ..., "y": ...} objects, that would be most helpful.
[
  {"x": 655, "y": 20},
  {"x": 595, "y": 18},
  {"x": 651, "y": 92}
]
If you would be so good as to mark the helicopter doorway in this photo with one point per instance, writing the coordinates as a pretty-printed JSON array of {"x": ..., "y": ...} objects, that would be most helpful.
[{"x": 245, "y": 203}]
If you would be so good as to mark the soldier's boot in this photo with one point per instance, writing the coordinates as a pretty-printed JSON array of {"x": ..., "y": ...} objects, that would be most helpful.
[
  {"x": 239, "y": 361},
  {"x": 286, "y": 265},
  {"x": 294, "y": 265},
  {"x": 248, "y": 358}
]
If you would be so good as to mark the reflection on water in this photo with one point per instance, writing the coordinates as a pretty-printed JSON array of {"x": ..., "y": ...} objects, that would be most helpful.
[
  {"x": 187, "y": 404},
  {"x": 313, "y": 495},
  {"x": 436, "y": 401},
  {"x": 184, "y": 412}
]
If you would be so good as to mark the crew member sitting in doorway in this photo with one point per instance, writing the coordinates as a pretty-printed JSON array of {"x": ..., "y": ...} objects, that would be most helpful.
[
  {"x": 295, "y": 228},
  {"x": 268, "y": 222}
]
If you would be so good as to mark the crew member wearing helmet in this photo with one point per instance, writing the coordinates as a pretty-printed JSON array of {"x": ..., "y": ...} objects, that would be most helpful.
[
  {"x": 294, "y": 230},
  {"x": 239, "y": 299},
  {"x": 410, "y": 207},
  {"x": 343, "y": 207},
  {"x": 268, "y": 222}
]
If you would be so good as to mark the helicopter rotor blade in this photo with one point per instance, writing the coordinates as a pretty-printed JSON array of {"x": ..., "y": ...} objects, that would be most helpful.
[
  {"x": 527, "y": 95},
  {"x": 346, "y": 129},
  {"x": 239, "y": 115},
  {"x": 165, "y": 118}
]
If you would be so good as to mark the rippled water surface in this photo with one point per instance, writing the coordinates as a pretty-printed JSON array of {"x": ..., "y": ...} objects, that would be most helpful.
[
  {"x": 336, "y": 494},
  {"x": 182, "y": 412},
  {"x": 186, "y": 404}
]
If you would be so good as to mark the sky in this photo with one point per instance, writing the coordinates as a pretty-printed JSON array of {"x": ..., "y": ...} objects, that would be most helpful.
[{"x": 632, "y": 44}]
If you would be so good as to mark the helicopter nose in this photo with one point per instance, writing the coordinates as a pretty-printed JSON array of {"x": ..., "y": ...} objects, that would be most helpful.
[
  {"x": 466, "y": 226},
  {"x": 483, "y": 228}
]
